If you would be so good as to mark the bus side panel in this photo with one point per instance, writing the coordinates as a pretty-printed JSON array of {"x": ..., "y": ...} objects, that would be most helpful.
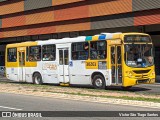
[
  {"x": 50, "y": 72},
  {"x": 30, "y": 67},
  {"x": 45, "y": 69},
  {"x": 108, "y": 77},
  {"x": 12, "y": 73},
  {"x": 29, "y": 71},
  {"x": 79, "y": 74}
]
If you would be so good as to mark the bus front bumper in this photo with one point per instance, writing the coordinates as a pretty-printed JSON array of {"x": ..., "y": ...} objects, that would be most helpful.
[{"x": 133, "y": 81}]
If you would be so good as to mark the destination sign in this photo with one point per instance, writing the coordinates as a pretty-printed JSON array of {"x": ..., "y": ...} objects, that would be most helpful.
[{"x": 137, "y": 38}]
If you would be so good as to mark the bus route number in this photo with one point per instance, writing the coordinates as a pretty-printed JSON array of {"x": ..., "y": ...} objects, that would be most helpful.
[{"x": 91, "y": 64}]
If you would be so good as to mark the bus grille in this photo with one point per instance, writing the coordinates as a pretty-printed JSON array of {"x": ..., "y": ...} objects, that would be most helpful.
[
  {"x": 140, "y": 71},
  {"x": 143, "y": 81}
]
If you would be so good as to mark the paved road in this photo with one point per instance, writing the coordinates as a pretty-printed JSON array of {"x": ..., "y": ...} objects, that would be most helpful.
[
  {"x": 13, "y": 102},
  {"x": 143, "y": 88}
]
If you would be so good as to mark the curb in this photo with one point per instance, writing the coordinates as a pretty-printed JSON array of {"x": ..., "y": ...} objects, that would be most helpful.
[{"x": 93, "y": 99}]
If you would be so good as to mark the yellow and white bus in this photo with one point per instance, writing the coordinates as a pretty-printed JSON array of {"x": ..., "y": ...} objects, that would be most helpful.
[{"x": 124, "y": 59}]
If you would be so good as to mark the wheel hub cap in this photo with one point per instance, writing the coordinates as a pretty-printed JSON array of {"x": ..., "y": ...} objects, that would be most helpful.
[{"x": 98, "y": 82}]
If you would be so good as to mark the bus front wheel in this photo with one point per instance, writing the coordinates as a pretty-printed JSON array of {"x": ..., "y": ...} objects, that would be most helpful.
[
  {"x": 98, "y": 82},
  {"x": 37, "y": 79}
]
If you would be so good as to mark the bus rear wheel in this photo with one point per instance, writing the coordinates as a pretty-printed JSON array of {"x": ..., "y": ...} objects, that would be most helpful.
[
  {"x": 37, "y": 79},
  {"x": 98, "y": 82}
]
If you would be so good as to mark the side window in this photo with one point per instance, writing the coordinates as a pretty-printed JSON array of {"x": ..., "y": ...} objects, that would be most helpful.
[
  {"x": 48, "y": 52},
  {"x": 119, "y": 54},
  {"x": 27, "y": 54},
  {"x": 80, "y": 51},
  {"x": 34, "y": 53},
  {"x": 12, "y": 54},
  {"x": 113, "y": 55},
  {"x": 61, "y": 57},
  {"x": 98, "y": 50}
]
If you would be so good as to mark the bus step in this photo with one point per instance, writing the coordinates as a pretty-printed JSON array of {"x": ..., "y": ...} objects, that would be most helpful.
[
  {"x": 114, "y": 84},
  {"x": 64, "y": 84}
]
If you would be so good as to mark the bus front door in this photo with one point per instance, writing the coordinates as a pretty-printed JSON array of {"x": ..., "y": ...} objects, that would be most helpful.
[
  {"x": 63, "y": 66},
  {"x": 21, "y": 69},
  {"x": 116, "y": 65}
]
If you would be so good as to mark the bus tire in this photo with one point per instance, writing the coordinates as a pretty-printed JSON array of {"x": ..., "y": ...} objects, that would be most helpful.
[
  {"x": 37, "y": 79},
  {"x": 99, "y": 82}
]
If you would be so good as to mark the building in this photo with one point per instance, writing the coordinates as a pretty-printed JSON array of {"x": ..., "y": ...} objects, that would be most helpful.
[{"x": 28, "y": 20}]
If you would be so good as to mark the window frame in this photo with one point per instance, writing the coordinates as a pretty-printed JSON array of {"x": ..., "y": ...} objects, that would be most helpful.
[
  {"x": 15, "y": 54},
  {"x": 29, "y": 47},
  {"x": 27, "y": 53},
  {"x": 49, "y": 52},
  {"x": 77, "y": 52},
  {"x": 97, "y": 50}
]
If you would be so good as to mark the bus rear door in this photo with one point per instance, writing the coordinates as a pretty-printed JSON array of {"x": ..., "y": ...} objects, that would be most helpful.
[
  {"x": 63, "y": 66},
  {"x": 21, "y": 62}
]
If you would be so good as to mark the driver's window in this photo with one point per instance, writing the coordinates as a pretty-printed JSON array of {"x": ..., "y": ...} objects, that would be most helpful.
[
  {"x": 131, "y": 55},
  {"x": 147, "y": 51},
  {"x": 139, "y": 55}
]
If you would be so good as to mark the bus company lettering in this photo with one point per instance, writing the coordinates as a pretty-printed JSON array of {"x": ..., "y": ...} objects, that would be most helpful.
[
  {"x": 115, "y": 42},
  {"x": 91, "y": 64},
  {"x": 49, "y": 66}
]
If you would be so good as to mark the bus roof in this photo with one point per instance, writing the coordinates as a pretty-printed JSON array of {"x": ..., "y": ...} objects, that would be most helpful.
[
  {"x": 28, "y": 43},
  {"x": 102, "y": 36}
]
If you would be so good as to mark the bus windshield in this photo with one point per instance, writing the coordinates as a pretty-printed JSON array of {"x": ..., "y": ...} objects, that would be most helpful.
[{"x": 139, "y": 55}]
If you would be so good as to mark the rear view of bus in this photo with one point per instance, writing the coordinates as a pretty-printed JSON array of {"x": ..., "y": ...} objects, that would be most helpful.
[{"x": 138, "y": 65}]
